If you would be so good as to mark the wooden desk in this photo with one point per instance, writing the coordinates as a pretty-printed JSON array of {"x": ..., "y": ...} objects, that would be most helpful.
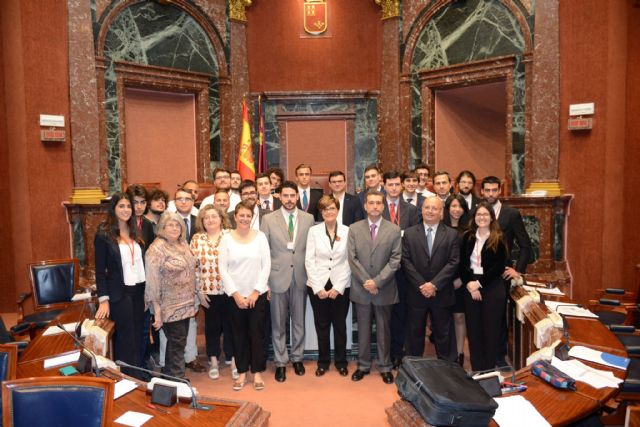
[{"x": 225, "y": 413}]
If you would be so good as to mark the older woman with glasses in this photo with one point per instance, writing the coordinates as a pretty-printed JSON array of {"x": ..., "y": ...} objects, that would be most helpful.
[
  {"x": 171, "y": 288},
  {"x": 328, "y": 281}
]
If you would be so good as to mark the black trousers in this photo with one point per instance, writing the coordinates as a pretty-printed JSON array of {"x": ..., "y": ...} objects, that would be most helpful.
[
  {"x": 399, "y": 318},
  {"x": 327, "y": 313},
  {"x": 128, "y": 315},
  {"x": 248, "y": 335},
  {"x": 442, "y": 328},
  {"x": 484, "y": 321},
  {"x": 176, "y": 333},
  {"x": 217, "y": 323}
]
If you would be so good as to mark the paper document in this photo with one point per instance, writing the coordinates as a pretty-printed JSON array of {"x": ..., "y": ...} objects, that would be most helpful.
[
  {"x": 547, "y": 291},
  {"x": 55, "y": 330},
  {"x": 133, "y": 419},
  {"x": 600, "y": 357},
  {"x": 569, "y": 309},
  {"x": 81, "y": 297},
  {"x": 62, "y": 360},
  {"x": 517, "y": 411},
  {"x": 123, "y": 387},
  {"x": 184, "y": 390},
  {"x": 577, "y": 370}
]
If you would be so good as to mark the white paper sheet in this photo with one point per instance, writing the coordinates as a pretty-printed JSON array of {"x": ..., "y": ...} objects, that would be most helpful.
[
  {"x": 81, "y": 296},
  {"x": 548, "y": 291},
  {"x": 600, "y": 357},
  {"x": 569, "y": 309},
  {"x": 580, "y": 372},
  {"x": 133, "y": 419},
  {"x": 516, "y": 411},
  {"x": 123, "y": 387},
  {"x": 55, "y": 330},
  {"x": 62, "y": 360}
]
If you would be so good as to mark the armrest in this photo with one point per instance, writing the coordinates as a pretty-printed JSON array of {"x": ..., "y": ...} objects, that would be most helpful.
[
  {"x": 21, "y": 328},
  {"x": 22, "y": 297},
  {"x": 627, "y": 329},
  {"x": 614, "y": 291},
  {"x": 607, "y": 301}
]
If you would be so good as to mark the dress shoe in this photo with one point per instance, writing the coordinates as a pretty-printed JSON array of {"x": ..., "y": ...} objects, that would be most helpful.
[
  {"x": 298, "y": 368},
  {"x": 358, "y": 375},
  {"x": 343, "y": 371},
  {"x": 281, "y": 374},
  {"x": 195, "y": 366},
  {"x": 320, "y": 372},
  {"x": 387, "y": 377}
]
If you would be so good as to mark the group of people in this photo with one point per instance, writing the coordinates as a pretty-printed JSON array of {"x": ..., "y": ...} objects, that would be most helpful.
[{"x": 254, "y": 250}]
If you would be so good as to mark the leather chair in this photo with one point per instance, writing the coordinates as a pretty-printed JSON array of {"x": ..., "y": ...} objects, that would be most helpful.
[
  {"x": 53, "y": 284},
  {"x": 57, "y": 401},
  {"x": 612, "y": 311},
  {"x": 8, "y": 365},
  {"x": 8, "y": 337}
]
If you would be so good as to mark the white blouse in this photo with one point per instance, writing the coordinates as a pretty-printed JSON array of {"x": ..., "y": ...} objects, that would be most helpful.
[
  {"x": 244, "y": 267},
  {"x": 132, "y": 265}
]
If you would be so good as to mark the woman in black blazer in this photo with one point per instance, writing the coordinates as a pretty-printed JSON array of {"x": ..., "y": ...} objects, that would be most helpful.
[
  {"x": 483, "y": 258},
  {"x": 120, "y": 278}
]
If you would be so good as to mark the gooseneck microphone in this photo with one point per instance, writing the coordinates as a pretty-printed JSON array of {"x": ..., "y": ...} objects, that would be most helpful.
[
  {"x": 562, "y": 352},
  {"x": 78, "y": 343},
  {"x": 194, "y": 399}
]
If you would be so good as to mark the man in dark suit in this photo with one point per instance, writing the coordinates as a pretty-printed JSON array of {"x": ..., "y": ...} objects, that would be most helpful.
[
  {"x": 184, "y": 203},
  {"x": 442, "y": 185},
  {"x": 430, "y": 258},
  {"x": 372, "y": 181},
  {"x": 404, "y": 215},
  {"x": 410, "y": 186},
  {"x": 514, "y": 233},
  {"x": 308, "y": 197},
  {"x": 350, "y": 208},
  {"x": 374, "y": 252},
  {"x": 265, "y": 198},
  {"x": 466, "y": 188}
]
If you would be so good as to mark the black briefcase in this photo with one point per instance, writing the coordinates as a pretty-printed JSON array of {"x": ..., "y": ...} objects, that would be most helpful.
[{"x": 443, "y": 393}]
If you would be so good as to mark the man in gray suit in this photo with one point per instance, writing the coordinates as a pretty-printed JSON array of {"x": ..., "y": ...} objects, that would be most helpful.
[
  {"x": 286, "y": 230},
  {"x": 374, "y": 251}
]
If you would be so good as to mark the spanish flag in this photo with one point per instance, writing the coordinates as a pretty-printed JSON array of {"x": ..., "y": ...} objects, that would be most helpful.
[{"x": 245, "y": 155}]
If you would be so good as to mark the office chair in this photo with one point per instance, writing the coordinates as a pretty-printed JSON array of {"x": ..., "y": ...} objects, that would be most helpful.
[
  {"x": 57, "y": 401},
  {"x": 612, "y": 311},
  {"x": 53, "y": 284},
  {"x": 8, "y": 365}
]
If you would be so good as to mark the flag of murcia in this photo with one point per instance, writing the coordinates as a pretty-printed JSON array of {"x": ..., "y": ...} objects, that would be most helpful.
[{"x": 315, "y": 16}]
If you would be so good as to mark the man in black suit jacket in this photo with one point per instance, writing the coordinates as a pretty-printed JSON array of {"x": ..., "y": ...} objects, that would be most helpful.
[
  {"x": 466, "y": 185},
  {"x": 350, "y": 208},
  {"x": 372, "y": 181},
  {"x": 410, "y": 184},
  {"x": 309, "y": 197},
  {"x": 404, "y": 215},
  {"x": 184, "y": 202},
  {"x": 430, "y": 258},
  {"x": 267, "y": 200}
]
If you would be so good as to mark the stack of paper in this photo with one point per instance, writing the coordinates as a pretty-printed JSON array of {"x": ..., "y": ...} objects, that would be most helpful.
[
  {"x": 517, "y": 411},
  {"x": 600, "y": 357},
  {"x": 577, "y": 370},
  {"x": 570, "y": 309},
  {"x": 55, "y": 330},
  {"x": 548, "y": 291}
]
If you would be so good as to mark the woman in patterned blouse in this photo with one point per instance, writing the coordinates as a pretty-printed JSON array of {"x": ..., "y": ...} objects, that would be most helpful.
[
  {"x": 171, "y": 288},
  {"x": 211, "y": 223}
]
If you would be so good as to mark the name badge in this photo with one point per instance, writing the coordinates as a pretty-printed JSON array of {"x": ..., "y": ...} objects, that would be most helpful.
[
  {"x": 401, "y": 233},
  {"x": 290, "y": 246},
  {"x": 478, "y": 270}
]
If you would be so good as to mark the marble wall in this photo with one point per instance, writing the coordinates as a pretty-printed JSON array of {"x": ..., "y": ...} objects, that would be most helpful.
[
  {"x": 463, "y": 32},
  {"x": 366, "y": 124},
  {"x": 150, "y": 33}
]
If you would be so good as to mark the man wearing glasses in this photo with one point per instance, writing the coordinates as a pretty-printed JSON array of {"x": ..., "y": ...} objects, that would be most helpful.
[
  {"x": 222, "y": 180},
  {"x": 350, "y": 208}
]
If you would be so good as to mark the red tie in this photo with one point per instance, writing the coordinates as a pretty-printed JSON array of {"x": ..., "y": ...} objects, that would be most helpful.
[{"x": 392, "y": 211}]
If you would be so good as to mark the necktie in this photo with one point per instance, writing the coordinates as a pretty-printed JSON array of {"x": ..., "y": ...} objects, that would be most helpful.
[
  {"x": 392, "y": 211},
  {"x": 186, "y": 222},
  {"x": 305, "y": 200},
  {"x": 266, "y": 204},
  {"x": 291, "y": 227},
  {"x": 373, "y": 232},
  {"x": 430, "y": 239},
  {"x": 410, "y": 200}
]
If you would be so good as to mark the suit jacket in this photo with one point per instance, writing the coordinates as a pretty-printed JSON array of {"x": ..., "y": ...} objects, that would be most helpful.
[
  {"x": 285, "y": 263},
  {"x": 351, "y": 210},
  {"x": 441, "y": 268},
  {"x": 314, "y": 196},
  {"x": 192, "y": 228},
  {"x": 275, "y": 205},
  {"x": 474, "y": 201},
  {"x": 361, "y": 200},
  {"x": 109, "y": 274},
  {"x": 148, "y": 235},
  {"x": 409, "y": 214},
  {"x": 324, "y": 262},
  {"x": 513, "y": 228},
  {"x": 419, "y": 201},
  {"x": 377, "y": 260},
  {"x": 493, "y": 263}
]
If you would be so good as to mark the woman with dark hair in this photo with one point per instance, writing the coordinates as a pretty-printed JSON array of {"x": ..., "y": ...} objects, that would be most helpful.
[
  {"x": 171, "y": 288},
  {"x": 212, "y": 223},
  {"x": 245, "y": 264},
  {"x": 328, "y": 281},
  {"x": 120, "y": 278},
  {"x": 483, "y": 258},
  {"x": 455, "y": 215}
]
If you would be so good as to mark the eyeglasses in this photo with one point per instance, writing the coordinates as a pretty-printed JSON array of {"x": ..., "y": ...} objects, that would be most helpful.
[
  {"x": 222, "y": 177},
  {"x": 248, "y": 193},
  {"x": 184, "y": 199}
]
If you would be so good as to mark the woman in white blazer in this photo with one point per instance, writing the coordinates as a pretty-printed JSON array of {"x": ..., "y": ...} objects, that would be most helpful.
[{"x": 328, "y": 281}]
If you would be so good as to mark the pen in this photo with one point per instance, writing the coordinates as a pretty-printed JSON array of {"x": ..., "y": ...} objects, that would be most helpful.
[
  {"x": 514, "y": 389},
  {"x": 164, "y": 411}
]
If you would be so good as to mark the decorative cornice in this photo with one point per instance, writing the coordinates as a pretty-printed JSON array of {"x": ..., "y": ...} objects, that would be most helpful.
[
  {"x": 236, "y": 9},
  {"x": 390, "y": 8}
]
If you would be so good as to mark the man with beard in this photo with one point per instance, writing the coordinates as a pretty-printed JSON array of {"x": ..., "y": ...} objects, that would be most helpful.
[
  {"x": 466, "y": 186},
  {"x": 157, "y": 204}
]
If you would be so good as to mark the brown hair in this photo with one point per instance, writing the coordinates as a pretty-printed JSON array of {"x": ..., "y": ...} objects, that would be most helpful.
[
  {"x": 495, "y": 233},
  {"x": 326, "y": 201},
  {"x": 224, "y": 220}
]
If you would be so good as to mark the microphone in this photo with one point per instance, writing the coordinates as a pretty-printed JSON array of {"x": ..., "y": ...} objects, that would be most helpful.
[
  {"x": 78, "y": 343},
  {"x": 562, "y": 352},
  {"x": 194, "y": 399}
]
